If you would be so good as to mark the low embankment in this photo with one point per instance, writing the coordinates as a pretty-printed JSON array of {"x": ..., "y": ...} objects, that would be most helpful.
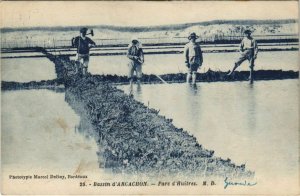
[
  {"x": 133, "y": 138},
  {"x": 209, "y": 76}
]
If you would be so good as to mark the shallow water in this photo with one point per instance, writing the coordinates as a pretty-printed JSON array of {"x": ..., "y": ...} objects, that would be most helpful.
[
  {"x": 36, "y": 69},
  {"x": 174, "y": 63},
  {"x": 205, "y": 49},
  {"x": 253, "y": 124},
  {"x": 27, "y": 69},
  {"x": 21, "y": 54},
  {"x": 39, "y": 133}
]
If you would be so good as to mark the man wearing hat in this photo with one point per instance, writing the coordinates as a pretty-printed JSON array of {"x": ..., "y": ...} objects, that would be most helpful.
[
  {"x": 193, "y": 57},
  {"x": 249, "y": 50},
  {"x": 83, "y": 45},
  {"x": 136, "y": 59}
]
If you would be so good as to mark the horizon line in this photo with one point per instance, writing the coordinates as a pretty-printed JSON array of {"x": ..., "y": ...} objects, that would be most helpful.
[{"x": 179, "y": 25}]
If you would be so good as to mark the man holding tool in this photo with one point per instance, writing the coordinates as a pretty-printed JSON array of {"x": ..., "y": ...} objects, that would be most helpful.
[
  {"x": 83, "y": 45},
  {"x": 193, "y": 57},
  {"x": 249, "y": 50},
  {"x": 136, "y": 59}
]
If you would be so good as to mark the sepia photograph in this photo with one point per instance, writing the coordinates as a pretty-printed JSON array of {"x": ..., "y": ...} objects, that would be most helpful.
[{"x": 149, "y": 97}]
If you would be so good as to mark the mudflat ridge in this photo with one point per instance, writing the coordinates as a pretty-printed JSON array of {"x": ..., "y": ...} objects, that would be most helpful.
[
  {"x": 209, "y": 76},
  {"x": 133, "y": 138}
]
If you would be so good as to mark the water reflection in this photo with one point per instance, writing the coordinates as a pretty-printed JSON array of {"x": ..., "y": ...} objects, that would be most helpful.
[
  {"x": 139, "y": 88},
  {"x": 251, "y": 107},
  {"x": 193, "y": 104},
  {"x": 84, "y": 126},
  {"x": 194, "y": 89},
  {"x": 86, "y": 129},
  {"x": 136, "y": 90}
]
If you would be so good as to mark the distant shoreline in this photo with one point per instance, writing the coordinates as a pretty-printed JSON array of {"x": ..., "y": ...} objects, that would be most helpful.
[
  {"x": 150, "y": 28},
  {"x": 212, "y": 32}
]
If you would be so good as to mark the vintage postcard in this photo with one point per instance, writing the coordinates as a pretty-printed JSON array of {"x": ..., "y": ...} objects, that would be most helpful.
[{"x": 137, "y": 97}]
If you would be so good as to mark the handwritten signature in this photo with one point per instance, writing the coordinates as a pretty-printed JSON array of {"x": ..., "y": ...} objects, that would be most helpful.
[{"x": 245, "y": 183}]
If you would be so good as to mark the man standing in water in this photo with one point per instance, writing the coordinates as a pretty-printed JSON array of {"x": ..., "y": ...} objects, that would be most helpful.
[
  {"x": 136, "y": 59},
  {"x": 83, "y": 45},
  {"x": 249, "y": 50},
  {"x": 193, "y": 57}
]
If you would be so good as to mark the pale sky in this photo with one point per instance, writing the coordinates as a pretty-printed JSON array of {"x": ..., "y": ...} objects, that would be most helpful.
[{"x": 27, "y": 14}]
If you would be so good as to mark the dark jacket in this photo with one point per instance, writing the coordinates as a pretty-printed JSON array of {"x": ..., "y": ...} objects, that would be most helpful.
[{"x": 82, "y": 45}]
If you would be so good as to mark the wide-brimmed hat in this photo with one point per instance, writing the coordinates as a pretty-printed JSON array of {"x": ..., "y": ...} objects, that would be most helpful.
[
  {"x": 135, "y": 39},
  {"x": 247, "y": 31},
  {"x": 193, "y": 35},
  {"x": 83, "y": 30}
]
